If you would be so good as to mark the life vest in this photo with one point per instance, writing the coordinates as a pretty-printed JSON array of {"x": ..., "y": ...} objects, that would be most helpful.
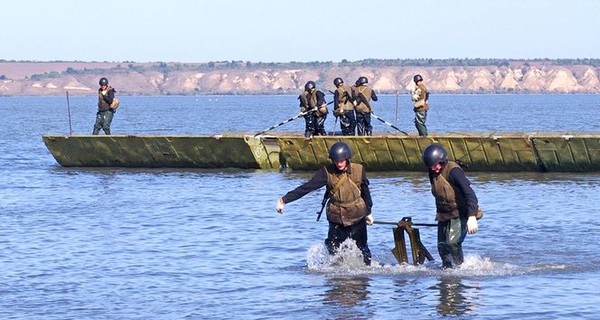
[
  {"x": 448, "y": 199},
  {"x": 345, "y": 206},
  {"x": 360, "y": 105},
  {"x": 420, "y": 98},
  {"x": 103, "y": 105},
  {"x": 308, "y": 101},
  {"x": 344, "y": 103}
]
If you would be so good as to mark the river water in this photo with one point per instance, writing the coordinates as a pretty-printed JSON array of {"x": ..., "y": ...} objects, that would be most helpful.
[{"x": 115, "y": 243}]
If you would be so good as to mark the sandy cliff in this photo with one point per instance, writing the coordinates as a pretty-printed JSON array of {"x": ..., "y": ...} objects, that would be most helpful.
[{"x": 49, "y": 78}]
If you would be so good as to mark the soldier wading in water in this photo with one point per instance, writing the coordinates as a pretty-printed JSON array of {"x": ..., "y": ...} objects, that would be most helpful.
[
  {"x": 457, "y": 207},
  {"x": 349, "y": 204}
]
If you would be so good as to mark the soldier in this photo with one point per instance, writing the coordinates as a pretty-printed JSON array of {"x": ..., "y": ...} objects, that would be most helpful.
[
  {"x": 106, "y": 107},
  {"x": 343, "y": 107},
  {"x": 362, "y": 96},
  {"x": 457, "y": 207},
  {"x": 312, "y": 101},
  {"x": 349, "y": 205},
  {"x": 420, "y": 98}
]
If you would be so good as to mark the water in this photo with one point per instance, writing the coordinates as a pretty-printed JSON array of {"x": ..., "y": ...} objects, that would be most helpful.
[{"x": 111, "y": 243}]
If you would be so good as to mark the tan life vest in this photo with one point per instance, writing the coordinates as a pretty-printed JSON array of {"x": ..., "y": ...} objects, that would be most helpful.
[
  {"x": 346, "y": 205},
  {"x": 367, "y": 93},
  {"x": 419, "y": 98},
  {"x": 308, "y": 100},
  {"x": 344, "y": 103},
  {"x": 447, "y": 198}
]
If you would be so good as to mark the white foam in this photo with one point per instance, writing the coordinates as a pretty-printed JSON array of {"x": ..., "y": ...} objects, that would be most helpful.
[{"x": 349, "y": 261}]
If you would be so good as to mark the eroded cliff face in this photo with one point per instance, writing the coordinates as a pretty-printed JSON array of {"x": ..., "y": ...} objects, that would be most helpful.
[{"x": 18, "y": 79}]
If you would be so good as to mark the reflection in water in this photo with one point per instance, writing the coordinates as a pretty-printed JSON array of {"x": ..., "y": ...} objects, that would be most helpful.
[
  {"x": 454, "y": 298},
  {"x": 347, "y": 294},
  {"x": 346, "y": 291}
]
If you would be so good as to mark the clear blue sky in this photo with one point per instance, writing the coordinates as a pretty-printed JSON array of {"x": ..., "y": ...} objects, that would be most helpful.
[{"x": 303, "y": 31}]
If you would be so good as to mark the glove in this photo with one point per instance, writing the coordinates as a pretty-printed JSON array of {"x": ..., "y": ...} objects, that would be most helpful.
[
  {"x": 472, "y": 225},
  {"x": 369, "y": 219},
  {"x": 280, "y": 205},
  {"x": 104, "y": 92}
]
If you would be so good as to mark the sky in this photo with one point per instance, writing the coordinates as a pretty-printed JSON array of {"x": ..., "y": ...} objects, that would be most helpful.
[{"x": 301, "y": 31}]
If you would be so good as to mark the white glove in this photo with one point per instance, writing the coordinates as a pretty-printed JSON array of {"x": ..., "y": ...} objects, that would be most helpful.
[
  {"x": 104, "y": 92},
  {"x": 472, "y": 225},
  {"x": 369, "y": 219},
  {"x": 280, "y": 205}
]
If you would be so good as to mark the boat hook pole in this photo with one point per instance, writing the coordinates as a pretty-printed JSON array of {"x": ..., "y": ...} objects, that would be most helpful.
[
  {"x": 409, "y": 222},
  {"x": 290, "y": 119},
  {"x": 389, "y": 124},
  {"x": 69, "y": 111}
]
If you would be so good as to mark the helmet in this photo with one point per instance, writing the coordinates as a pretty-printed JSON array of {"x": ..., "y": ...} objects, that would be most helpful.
[
  {"x": 417, "y": 78},
  {"x": 309, "y": 85},
  {"x": 103, "y": 82},
  {"x": 361, "y": 81},
  {"x": 340, "y": 151},
  {"x": 434, "y": 154},
  {"x": 337, "y": 82}
]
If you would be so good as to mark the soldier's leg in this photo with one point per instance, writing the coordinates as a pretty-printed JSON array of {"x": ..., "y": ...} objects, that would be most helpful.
[
  {"x": 309, "y": 125},
  {"x": 368, "y": 126},
  {"x": 352, "y": 118},
  {"x": 451, "y": 234},
  {"x": 99, "y": 122},
  {"x": 345, "y": 124},
  {"x": 335, "y": 236},
  {"x": 420, "y": 118},
  {"x": 321, "y": 125},
  {"x": 359, "y": 235},
  {"x": 108, "y": 116},
  {"x": 456, "y": 236},
  {"x": 360, "y": 124}
]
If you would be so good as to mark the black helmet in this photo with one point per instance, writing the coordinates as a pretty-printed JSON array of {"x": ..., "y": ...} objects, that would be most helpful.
[
  {"x": 339, "y": 151},
  {"x": 361, "y": 81},
  {"x": 103, "y": 81},
  {"x": 337, "y": 82},
  {"x": 309, "y": 85},
  {"x": 417, "y": 78},
  {"x": 434, "y": 154}
]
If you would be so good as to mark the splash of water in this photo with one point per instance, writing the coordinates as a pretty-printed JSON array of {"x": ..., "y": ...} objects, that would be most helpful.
[{"x": 348, "y": 260}]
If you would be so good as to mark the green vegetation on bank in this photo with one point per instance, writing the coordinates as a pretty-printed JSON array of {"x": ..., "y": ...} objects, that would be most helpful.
[{"x": 167, "y": 67}]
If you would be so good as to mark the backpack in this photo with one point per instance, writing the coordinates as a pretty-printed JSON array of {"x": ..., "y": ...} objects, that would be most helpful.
[{"x": 115, "y": 104}]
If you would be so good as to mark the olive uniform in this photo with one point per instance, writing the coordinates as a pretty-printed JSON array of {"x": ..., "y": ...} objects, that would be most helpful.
[
  {"x": 344, "y": 108},
  {"x": 420, "y": 98},
  {"x": 349, "y": 200},
  {"x": 455, "y": 201},
  {"x": 105, "y": 113},
  {"x": 362, "y": 95},
  {"x": 312, "y": 101}
]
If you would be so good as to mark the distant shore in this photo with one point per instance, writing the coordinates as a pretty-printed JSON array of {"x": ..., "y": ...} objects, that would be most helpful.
[{"x": 30, "y": 78}]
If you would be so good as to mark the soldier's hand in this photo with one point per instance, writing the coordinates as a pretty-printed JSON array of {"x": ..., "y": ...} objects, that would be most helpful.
[
  {"x": 472, "y": 225},
  {"x": 279, "y": 206},
  {"x": 104, "y": 92},
  {"x": 369, "y": 219}
]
